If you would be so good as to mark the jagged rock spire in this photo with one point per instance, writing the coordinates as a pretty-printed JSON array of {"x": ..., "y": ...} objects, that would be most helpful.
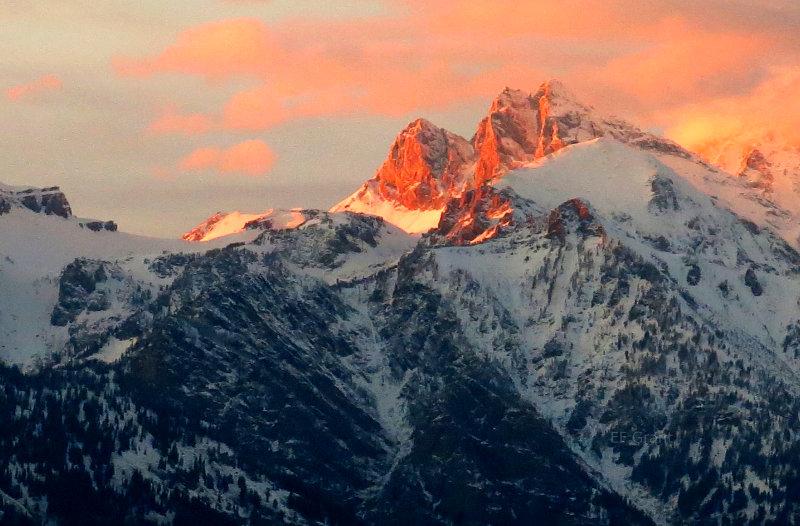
[{"x": 522, "y": 127}]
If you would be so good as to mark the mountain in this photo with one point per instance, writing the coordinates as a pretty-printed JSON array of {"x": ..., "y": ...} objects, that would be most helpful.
[
  {"x": 756, "y": 170},
  {"x": 224, "y": 224},
  {"x": 600, "y": 330},
  {"x": 427, "y": 166}
]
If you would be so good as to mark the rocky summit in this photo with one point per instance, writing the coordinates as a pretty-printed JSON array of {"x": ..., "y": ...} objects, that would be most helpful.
[
  {"x": 566, "y": 320},
  {"x": 427, "y": 166}
]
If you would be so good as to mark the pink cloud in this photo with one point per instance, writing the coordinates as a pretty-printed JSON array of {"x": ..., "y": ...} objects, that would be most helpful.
[
  {"x": 645, "y": 59},
  {"x": 254, "y": 109},
  {"x": 251, "y": 158},
  {"x": 215, "y": 50},
  {"x": 173, "y": 122},
  {"x": 201, "y": 159},
  {"x": 34, "y": 88},
  {"x": 668, "y": 72}
]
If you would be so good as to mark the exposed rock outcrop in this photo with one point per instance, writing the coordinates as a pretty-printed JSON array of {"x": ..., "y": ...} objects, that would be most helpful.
[
  {"x": 425, "y": 168},
  {"x": 97, "y": 226},
  {"x": 78, "y": 291},
  {"x": 573, "y": 216},
  {"x": 475, "y": 216},
  {"x": 49, "y": 201},
  {"x": 756, "y": 170}
]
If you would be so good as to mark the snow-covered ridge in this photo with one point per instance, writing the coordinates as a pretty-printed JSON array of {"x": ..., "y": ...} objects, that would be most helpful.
[
  {"x": 60, "y": 276},
  {"x": 224, "y": 224},
  {"x": 35, "y": 247},
  {"x": 427, "y": 166}
]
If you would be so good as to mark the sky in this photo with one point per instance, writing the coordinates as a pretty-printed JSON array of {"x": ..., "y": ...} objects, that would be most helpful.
[{"x": 159, "y": 113}]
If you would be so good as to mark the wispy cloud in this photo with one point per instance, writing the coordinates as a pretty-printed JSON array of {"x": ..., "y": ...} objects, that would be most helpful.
[
  {"x": 171, "y": 121},
  {"x": 34, "y": 88},
  {"x": 250, "y": 158}
]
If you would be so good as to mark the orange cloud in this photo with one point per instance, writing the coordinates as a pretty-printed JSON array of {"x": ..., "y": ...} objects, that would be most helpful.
[
  {"x": 251, "y": 158},
  {"x": 623, "y": 55},
  {"x": 173, "y": 122},
  {"x": 721, "y": 129},
  {"x": 686, "y": 66},
  {"x": 34, "y": 88},
  {"x": 248, "y": 158},
  {"x": 215, "y": 50},
  {"x": 201, "y": 159},
  {"x": 255, "y": 109}
]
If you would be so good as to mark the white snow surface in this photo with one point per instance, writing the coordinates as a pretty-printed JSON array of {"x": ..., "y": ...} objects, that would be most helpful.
[
  {"x": 777, "y": 208},
  {"x": 367, "y": 200},
  {"x": 616, "y": 182},
  {"x": 113, "y": 350},
  {"x": 35, "y": 248},
  {"x": 391, "y": 244},
  {"x": 607, "y": 174}
]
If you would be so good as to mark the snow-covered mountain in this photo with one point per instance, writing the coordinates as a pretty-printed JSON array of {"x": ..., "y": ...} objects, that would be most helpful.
[
  {"x": 596, "y": 326},
  {"x": 427, "y": 166}
]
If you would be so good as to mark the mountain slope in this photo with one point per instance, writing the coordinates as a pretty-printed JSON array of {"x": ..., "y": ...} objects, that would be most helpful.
[
  {"x": 767, "y": 182},
  {"x": 235, "y": 372}
]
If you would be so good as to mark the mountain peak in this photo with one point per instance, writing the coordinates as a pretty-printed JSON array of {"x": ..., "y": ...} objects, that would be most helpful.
[
  {"x": 426, "y": 166},
  {"x": 555, "y": 89},
  {"x": 420, "y": 124},
  {"x": 522, "y": 127}
]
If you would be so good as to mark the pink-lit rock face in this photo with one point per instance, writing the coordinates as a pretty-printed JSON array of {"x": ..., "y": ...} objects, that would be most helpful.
[
  {"x": 426, "y": 165},
  {"x": 476, "y": 216},
  {"x": 425, "y": 168},
  {"x": 521, "y": 128},
  {"x": 575, "y": 216},
  {"x": 508, "y": 136}
]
